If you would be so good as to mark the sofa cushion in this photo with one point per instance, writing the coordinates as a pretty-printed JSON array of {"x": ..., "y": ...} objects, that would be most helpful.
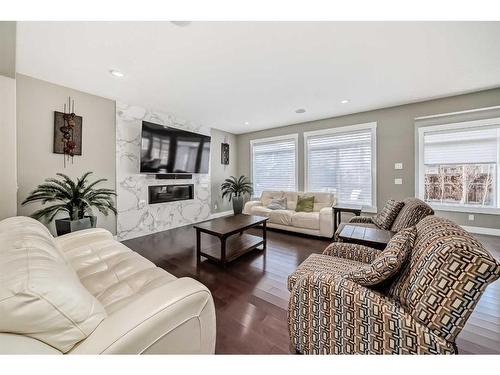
[
  {"x": 388, "y": 262},
  {"x": 305, "y": 203},
  {"x": 291, "y": 199},
  {"x": 281, "y": 217},
  {"x": 269, "y": 195},
  {"x": 277, "y": 204},
  {"x": 322, "y": 200},
  {"x": 308, "y": 220},
  {"x": 412, "y": 212},
  {"x": 114, "y": 274},
  {"x": 322, "y": 263},
  {"x": 260, "y": 211},
  {"x": 388, "y": 214},
  {"x": 40, "y": 294}
]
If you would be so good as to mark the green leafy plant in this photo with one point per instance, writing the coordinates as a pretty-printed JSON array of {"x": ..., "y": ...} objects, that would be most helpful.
[
  {"x": 76, "y": 198},
  {"x": 236, "y": 187}
]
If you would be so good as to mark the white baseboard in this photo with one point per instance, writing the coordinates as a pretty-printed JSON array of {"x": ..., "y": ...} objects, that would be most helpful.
[
  {"x": 482, "y": 230},
  {"x": 221, "y": 214}
]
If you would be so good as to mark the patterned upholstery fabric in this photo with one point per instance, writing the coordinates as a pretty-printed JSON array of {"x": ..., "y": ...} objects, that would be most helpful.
[
  {"x": 323, "y": 263},
  {"x": 412, "y": 212},
  {"x": 388, "y": 263},
  {"x": 338, "y": 258},
  {"x": 447, "y": 273},
  {"x": 328, "y": 314},
  {"x": 358, "y": 253},
  {"x": 421, "y": 311},
  {"x": 388, "y": 214},
  {"x": 361, "y": 219}
]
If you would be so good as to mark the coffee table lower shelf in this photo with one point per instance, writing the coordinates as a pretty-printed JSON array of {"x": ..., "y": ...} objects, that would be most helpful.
[{"x": 235, "y": 246}]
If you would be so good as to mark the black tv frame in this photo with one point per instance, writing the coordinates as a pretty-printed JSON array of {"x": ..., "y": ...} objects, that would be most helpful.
[{"x": 175, "y": 174}]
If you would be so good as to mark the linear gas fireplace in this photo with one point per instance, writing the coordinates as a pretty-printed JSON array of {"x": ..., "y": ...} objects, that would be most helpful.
[{"x": 170, "y": 193}]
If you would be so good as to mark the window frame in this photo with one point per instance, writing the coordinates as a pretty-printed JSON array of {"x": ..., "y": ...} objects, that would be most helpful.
[
  {"x": 372, "y": 126},
  {"x": 294, "y": 137},
  {"x": 420, "y": 168}
]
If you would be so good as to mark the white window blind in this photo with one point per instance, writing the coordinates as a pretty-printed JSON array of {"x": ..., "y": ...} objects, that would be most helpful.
[
  {"x": 459, "y": 165},
  {"x": 342, "y": 161},
  {"x": 274, "y": 164},
  {"x": 459, "y": 146}
]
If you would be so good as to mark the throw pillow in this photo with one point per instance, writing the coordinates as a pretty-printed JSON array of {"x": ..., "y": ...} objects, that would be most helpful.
[
  {"x": 277, "y": 204},
  {"x": 388, "y": 262},
  {"x": 305, "y": 203},
  {"x": 386, "y": 217}
]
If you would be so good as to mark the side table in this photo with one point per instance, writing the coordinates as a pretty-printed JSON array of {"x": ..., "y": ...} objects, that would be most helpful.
[{"x": 339, "y": 208}]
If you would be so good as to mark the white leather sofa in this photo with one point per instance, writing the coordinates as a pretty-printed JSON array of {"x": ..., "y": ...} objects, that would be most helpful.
[
  {"x": 316, "y": 223},
  {"x": 85, "y": 293}
]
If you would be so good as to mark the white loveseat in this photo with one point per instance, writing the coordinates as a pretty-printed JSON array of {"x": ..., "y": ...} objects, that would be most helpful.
[
  {"x": 85, "y": 293},
  {"x": 316, "y": 223}
]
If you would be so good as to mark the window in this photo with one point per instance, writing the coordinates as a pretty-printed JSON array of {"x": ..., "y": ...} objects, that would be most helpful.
[
  {"x": 458, "y": 165},
  {"x": 274, "y": 164},
  {"x": 342, "y": 161}
]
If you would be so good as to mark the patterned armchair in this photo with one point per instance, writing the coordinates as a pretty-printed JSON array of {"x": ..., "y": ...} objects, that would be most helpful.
[
  {"x": 419, "y": 311},
  {"x": 410, "y": 214}
]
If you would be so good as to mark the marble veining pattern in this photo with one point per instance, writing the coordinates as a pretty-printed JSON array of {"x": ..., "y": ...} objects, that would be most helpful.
[{"x": 135, "y": 216}]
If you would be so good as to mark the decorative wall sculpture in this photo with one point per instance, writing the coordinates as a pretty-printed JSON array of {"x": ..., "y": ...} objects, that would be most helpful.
[
  {"x": 224, "y": 152},
  {"x": 68, "y": 132}
]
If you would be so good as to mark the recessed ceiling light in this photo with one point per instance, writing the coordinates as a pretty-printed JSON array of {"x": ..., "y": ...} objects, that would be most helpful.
[
  {"x": 116, "y": 73},
  {"x": 181, "y": 23},
  {"x": 345, "y": 101},
  {"x": 247, "y": 123},
  {"x": 300, "y": 110}
]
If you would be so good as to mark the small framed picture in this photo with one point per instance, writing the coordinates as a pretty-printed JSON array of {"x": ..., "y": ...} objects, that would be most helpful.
[{"x": 224, "y": 152}]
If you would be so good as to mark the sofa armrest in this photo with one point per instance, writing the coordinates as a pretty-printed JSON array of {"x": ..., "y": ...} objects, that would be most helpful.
[
  {"x": 329, "y": 314},
  {"x": 346, "y": 250},
  {"x": 178, "y": 317},
  {"x": 248, "y": 206},
  {"x": 82, "y": 237},
  {"x": 11, "y": 343},
  {"x": 361, "y": 219},
  {"x": 326, "y": 222}
]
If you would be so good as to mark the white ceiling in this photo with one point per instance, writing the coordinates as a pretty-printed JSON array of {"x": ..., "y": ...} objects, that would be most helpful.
[{"x": 223, "y": 74}]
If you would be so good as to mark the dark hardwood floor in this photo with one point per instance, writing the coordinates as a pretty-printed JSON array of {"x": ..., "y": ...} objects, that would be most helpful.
[{"x": 251, "y": 296}]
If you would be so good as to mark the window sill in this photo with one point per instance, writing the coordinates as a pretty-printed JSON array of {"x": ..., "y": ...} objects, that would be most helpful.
[{"x": 463, "y": 209}]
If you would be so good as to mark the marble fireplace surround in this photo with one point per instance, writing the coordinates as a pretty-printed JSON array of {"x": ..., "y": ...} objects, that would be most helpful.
[{"x": 135, "y": 216}]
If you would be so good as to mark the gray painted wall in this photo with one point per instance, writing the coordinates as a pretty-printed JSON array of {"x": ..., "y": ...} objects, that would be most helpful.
[
  {"x": 8, "y": 184},
  {"x": 36, "y": 102},
  {"x": 8, "y": 48},
  {"x": 395, "y": 143},
  {"x": 218, "y": 171}
]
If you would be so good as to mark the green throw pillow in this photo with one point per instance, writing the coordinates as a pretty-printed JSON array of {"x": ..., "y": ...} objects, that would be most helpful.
[{"x": 305, "y": 203}]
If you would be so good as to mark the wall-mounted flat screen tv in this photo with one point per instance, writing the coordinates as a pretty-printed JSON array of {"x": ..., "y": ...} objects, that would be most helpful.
[{"x": 170, "y": 150}]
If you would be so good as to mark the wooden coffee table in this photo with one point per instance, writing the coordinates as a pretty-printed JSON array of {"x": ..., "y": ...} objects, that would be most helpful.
[
  {"x": 233, "y": 242},
  {"x": 373, "y": 237}
]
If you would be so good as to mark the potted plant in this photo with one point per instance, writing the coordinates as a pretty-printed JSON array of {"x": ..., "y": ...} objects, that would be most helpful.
[
  {"x": 235, "y": 189},
  {"x": 75, "y": 198}
]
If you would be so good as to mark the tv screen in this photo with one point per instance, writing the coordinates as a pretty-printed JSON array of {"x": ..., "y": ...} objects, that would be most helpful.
[{"x": 170, "y": 150}]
